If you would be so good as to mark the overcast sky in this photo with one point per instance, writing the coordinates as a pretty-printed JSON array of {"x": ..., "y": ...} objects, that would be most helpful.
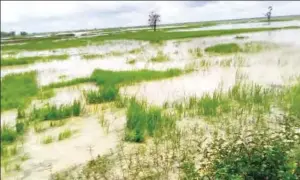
[{"x": 43, "y": 16}]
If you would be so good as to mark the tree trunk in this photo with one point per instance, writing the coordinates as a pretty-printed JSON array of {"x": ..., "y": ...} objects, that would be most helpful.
[{"x": 155, "y": 25}]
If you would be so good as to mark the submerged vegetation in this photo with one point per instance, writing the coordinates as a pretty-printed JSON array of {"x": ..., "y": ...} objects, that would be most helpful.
[
  {"x": 17, "y": 89},
  {"x": 139, "y": 35},
  {"x": 31, "y": 60},
  {"x": 160, "y": 57},
  {"x": 52, "y": 112}
]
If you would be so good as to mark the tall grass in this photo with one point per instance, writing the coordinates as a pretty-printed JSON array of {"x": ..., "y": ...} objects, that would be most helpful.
[
  {"x": 143, "y": 121},
  {"x": 31, "y": 60},
  {"x": 197, "y": 52},
  {"x": 104, "y": 94},
  {"x": 67, "y": 133},
  {"x": 52, "y": 112},
  {"x": 17, "y": 89},
  {"x": 160, "y": 57},
  {"x": 106, "y": 77}
]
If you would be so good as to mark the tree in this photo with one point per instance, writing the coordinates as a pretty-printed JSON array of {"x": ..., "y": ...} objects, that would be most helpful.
[
  {"x": 154, "y": 18},
  {"x": 269, "y": 13},
  {"x": 23, "y": 33}
]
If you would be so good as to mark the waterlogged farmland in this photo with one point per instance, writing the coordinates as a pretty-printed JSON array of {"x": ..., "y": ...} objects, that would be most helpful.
[{"x": 220, "y": 102}]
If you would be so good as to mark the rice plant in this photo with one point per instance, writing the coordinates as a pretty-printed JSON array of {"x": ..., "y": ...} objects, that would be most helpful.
[
  {"x": 160, "y": 57},
  {"x": 67, "y": 133},
  {"x": 48, "y": 139},
  {"x": 106, "y": 93},
  {"x": 143, "y": 121},
  {"x": 197, "y": 52},
  {"x": 53, "y": 112}
]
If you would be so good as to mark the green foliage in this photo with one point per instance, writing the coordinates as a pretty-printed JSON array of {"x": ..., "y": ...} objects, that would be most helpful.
[
  {"x": 48, "y": 140},
  {"x": 160, "y": 57},
  {"x": 52, "y": 112},
  {"x": 104, "y": 94},
  {"x": 143, "y": 121},
  {"x": 291, "y": 101},
  {"x": 197, "y": 52},
  {"x": 8, "y": 134},
  {"x": 65, "y": 134},
  {"x": 259, "y": 155},
  {"x": 106, "y": 77},
  {"x": 31, "y": 60},
  {"x": 17, "y": 89}
]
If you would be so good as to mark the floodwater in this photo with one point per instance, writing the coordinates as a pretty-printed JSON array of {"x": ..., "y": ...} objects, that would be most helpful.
[
  {"x": 269, "y": 67},
  {"x": 244, "y": 26}
]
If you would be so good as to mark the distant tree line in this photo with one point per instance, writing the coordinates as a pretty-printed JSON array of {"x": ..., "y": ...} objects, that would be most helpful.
[{"x": 12, "y": 33}]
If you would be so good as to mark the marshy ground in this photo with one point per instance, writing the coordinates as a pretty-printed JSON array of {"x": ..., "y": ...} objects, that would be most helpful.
[{"x": 143, "y": 105}]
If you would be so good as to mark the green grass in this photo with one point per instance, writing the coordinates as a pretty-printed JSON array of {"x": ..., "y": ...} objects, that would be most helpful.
[
  {"x": 31, "y": 60},
  {"x": 8, "y": 134},
  {"x": 48, "y": 139},
  {"x": 246, "y": 96},
  {"x": 92, "y": 56},
  {"x": 197, "y": 52},
  {"x": 45, "y": 94},
  {"x": 224, "y": 48},
  {"x": 143, "y": 121},
  {"x": 67, "y": 133},
  {"x": 160, "y": 57},
  {"x": 131, "y": 61},
  {"x": 106, "y": 77},
  {"x": 17, "y": 89},
  {"x": 136, "y": 51},
  {"x": 68, "y": 83},
  {"x": 52, "y": 112},
  {"x": 241, "y": 37},
  {"x": 104, "y": 94},
  {"x": 140, "y": 35},
  {"x": 291, "y": 100}
]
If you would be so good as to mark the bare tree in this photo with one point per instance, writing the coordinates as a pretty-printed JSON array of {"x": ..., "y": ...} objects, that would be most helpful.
[
  {"x": 154, "y": 18},
  {"x": 269, "y": 13}
]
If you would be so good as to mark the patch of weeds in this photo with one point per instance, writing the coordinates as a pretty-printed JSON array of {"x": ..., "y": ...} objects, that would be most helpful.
[
  {"x": 136, "y": 51},
  {"x": 291, "y": 100},
  {"x": 57, "y": 123},
  {"x": 17, "y": 89},
  {"x": 30, "y": 60},
  {"x": 8, "y": 151},
  {"x": 254, "y": 47},
  {"x": 115, "y": 53},
  {"x": 107, "y": 93},
  {"x": 39, "y": 127},
  {"x": 8, "y": 134},
  {"x": 48, "y": 139},
  {"x": 106, "y": 77},
  {"x": 197, "y": 52},
  {"x": 92, "y": 56},
  {"x": 67, "y": 133},
  {"x": 241, "y": 37},
  {"x": 52, "y": 112},
  {"x": 131, "y": 61},
  {"x": 205, "y": 63},
  {"x": 160, "y": 57},
  {"x": 224, "y": 48},
  {"x": 143, "y": 121},
  {"x": 45, "y": 94},
  {"x": 226, "y": 62}
]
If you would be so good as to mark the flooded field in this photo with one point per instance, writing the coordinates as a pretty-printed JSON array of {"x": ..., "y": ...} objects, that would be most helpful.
[{"x": 137, "y": 109}]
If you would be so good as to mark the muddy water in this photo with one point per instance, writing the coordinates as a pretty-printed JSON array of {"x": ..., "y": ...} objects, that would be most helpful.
[
  {"x": 58, "y": 155},
  {"x": 75, "y": 67},
  {"x": 244, "y": 25}
]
